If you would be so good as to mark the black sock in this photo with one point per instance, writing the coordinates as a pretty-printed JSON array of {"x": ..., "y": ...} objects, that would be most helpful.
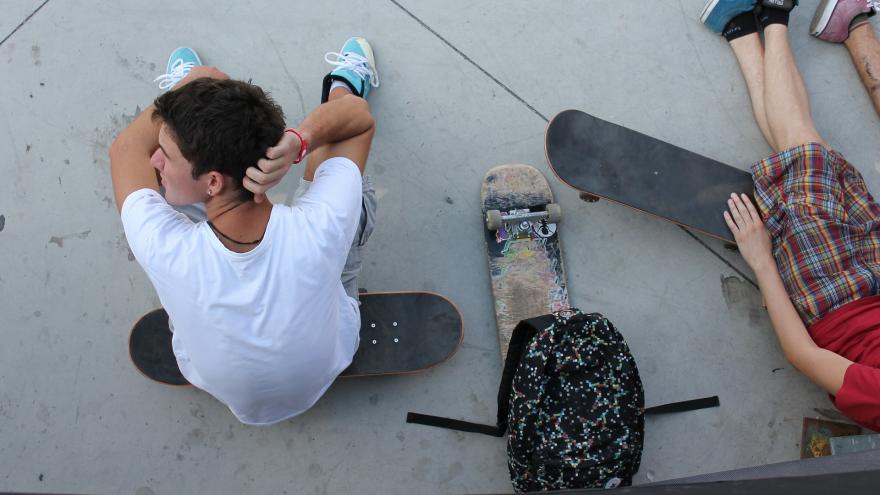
[
  {"x": 859, "y": 20},
  {"x": 769, "y": 15},
  {"x": 741, "y": 25}
]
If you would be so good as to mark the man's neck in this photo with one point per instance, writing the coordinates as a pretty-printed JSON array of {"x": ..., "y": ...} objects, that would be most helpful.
[{"x": 238, "y": 224}]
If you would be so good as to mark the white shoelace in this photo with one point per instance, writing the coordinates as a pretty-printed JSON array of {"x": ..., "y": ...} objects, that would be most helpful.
[
  {"x": 355, "y": 63},
  {"x": 875, "y": 4},
  {"x": 179, "y": 70}
]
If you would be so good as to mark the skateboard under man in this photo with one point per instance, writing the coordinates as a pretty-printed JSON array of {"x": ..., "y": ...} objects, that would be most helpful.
[
  {"x": 605, "y": 160},
  {"x": 401, "y": 332},
  {"x": 522, "y": 240}
]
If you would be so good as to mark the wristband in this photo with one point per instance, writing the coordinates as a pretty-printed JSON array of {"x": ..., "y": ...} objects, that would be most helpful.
[{"x": 303, "y": 145}]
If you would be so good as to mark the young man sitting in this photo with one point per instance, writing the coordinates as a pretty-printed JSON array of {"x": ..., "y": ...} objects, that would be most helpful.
[
  {"x": 262, "y": 298},
  {"x": 818, "y": 266}
]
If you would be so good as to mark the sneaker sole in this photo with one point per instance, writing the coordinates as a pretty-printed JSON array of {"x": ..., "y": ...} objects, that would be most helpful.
[
  {"x": 368, "y": 52},
  {"x": 707, "y": 10},
  {"x": 822, "y": 17}
]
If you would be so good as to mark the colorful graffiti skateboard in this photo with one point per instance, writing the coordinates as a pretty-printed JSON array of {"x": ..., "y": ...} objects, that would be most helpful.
[
  {"x": 522, "y": 240},
  {"x": 401, "y": 332},
  {"x": 605, "y": 160}
]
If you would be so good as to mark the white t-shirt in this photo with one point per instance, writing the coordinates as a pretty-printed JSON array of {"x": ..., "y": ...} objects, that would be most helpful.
[{"x": 266, "y": 332}]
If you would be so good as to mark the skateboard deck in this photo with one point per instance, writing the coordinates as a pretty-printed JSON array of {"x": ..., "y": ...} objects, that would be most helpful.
[
  {"x": 405, "y": 332},
  {"x": 525, "y": 259},
  {"x": 401, "y": 332},
  {"x": 609, "y": 161},
  {"x": 149, "y": 347}
]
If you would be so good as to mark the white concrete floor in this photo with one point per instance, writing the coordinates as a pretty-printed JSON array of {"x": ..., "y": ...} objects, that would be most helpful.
[{"x": 465, "y": 85}]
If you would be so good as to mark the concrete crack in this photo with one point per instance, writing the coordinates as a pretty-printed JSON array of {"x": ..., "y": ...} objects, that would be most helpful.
[
  {"x": 471, "y": 61},
  {"x": 23, "y": 22},
  {"x": 542, "y": 116},
  {"x": 723, "y": 260}
]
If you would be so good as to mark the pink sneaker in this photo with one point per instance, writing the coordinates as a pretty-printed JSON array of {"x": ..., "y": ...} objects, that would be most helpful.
[{"x": 833, "y": 18}]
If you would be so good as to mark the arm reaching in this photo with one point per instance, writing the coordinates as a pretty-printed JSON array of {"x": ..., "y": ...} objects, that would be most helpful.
[{"x": 822, "y": 366}]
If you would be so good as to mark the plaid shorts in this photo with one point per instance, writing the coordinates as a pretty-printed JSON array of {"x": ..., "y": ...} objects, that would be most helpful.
[{"x": 825, "y": 228}]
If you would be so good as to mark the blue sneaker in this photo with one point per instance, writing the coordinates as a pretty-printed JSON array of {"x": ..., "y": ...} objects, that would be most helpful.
[
  {"x": 181, "y": 61},
  {"x": 355, "y": 66},
  {"x": 717, "y": 13}
]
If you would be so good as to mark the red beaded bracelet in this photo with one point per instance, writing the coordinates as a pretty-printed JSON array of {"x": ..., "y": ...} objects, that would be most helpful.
[{"x": 303, "y": 145}]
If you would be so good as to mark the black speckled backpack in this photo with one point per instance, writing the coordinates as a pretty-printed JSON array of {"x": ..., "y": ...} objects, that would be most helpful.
[
  {"x": 576, "y": 416},
  {"x": 572, "y": 402}
]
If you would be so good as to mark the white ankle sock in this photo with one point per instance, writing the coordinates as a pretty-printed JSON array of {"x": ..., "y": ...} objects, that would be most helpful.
[{"x": 339, "y": 84}]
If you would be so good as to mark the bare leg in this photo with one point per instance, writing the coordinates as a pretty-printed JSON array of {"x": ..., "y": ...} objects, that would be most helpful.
[
  {"x": 864, "y": 48},
  {"x": 785, "y": 97},
  {"x": 357, "y": 147},
  {"x": 750, "y": 54}
]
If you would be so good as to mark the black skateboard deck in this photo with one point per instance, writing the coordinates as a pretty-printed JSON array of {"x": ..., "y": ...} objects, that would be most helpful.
[
  {"x": 525, "y": 258},
  {"x": 401, "y": 332},
  {"x": 609, "y": 161},
  {"x": 405, "y": 332},
  {"x": 149, "y": 347}
]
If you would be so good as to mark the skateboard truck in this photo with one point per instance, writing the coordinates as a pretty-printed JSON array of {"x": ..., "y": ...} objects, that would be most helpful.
[{"x": 495, "y": 219}]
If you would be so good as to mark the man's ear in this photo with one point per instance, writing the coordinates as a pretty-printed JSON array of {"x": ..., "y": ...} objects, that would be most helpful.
[{"x": 217, "y": 182}]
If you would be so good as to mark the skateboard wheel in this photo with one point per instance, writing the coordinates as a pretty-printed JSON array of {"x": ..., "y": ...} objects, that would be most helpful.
[
  {"x": 493, "y": 220},
  {"x": 554, "y": 213},
  {"x": 589, "y": 198}
]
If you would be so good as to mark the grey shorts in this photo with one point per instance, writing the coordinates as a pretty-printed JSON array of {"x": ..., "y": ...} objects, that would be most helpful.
[{"x": 354, "y": 262}]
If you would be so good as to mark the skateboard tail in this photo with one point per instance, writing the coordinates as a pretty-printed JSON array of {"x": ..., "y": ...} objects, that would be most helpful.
[{"x": 150, "y": 350}]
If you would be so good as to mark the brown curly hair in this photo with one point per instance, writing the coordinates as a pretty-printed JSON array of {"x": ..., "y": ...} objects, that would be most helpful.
[{"x": 221, "y": 125}]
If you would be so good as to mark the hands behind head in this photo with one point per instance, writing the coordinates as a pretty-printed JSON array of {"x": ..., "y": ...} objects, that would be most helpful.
[
  {"x": 270, "y": 170},
  {"x": 748, "y": 229},
  {"x": 199, "y": 72}
]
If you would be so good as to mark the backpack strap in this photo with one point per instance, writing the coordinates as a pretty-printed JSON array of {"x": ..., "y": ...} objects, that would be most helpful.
[
  {"x": 524, "y": 332},
  {"x": 519, "y": 341},
  {"x": 454, "y": 424},
  {"x": 685, "y": 405}
]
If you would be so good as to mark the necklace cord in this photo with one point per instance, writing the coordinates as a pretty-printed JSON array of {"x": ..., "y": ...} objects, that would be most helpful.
[{"x": 230, "y": 239}]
